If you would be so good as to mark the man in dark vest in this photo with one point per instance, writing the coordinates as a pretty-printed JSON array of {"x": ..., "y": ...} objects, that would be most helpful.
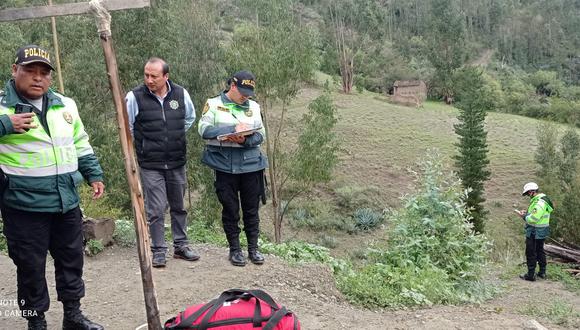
[{"x": 160, "y": 112}]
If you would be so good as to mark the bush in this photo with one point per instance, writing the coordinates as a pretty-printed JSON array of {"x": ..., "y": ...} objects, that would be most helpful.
[
  {"x": 432, "y": 255},
  {"x": 351, "y": 198},
  {"x": 124, "y": 234},
  {"x": 296, "y": 251},
  {"x": 319, "y": 216},
  {"x": 367, "y": 219},
  {"x": 94, "y": 247}
]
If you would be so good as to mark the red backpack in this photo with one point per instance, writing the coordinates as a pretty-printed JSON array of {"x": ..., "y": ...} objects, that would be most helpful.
[{"x": 236, "y": 309}]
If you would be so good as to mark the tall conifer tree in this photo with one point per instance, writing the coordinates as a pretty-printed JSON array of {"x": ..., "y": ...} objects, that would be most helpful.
[{"x": 471, "y": 162}]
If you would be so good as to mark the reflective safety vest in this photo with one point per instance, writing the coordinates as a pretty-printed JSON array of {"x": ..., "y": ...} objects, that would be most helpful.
[
  {"x": 42, "y": 168},
  {"x": 216, "y": 113},
  {"x": 220, "y": 116},
  {"x": 539, "y": 212}
]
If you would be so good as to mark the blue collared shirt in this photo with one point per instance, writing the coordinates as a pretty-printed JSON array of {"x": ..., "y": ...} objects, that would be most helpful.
[{"x": 133, "y": 108}]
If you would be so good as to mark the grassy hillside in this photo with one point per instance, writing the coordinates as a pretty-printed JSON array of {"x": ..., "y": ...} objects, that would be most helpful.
[{"x": 382, "y": 141}]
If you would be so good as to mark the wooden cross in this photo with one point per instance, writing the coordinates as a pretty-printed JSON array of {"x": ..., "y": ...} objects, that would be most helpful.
[{"x": 99, "y": 8}]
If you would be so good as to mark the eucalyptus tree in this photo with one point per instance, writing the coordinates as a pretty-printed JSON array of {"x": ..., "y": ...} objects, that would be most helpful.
[
  {"x": 353, "y": 25},
  {"x": 282, "y": 53}
]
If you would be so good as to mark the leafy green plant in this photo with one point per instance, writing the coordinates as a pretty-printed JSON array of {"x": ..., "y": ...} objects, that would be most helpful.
[
  {"x": 203, "y": 232},
  {"x": 124, "y": 234},
  {"x": 94, "y": 247},
  {"x": 367, "y": 219},
  {"x": 432, "y": 256},
  {"x": 297, "y": 251}
]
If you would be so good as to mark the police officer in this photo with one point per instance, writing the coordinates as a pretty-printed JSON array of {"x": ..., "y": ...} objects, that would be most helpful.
[
  {"x": 537, "y": 218},
  {"x": 44, "y": 155},
  {"x": 237, "y": 160}
]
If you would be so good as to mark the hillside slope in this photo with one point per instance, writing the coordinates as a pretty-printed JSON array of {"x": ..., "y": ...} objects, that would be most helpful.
[{"x": 381, "y": 142}]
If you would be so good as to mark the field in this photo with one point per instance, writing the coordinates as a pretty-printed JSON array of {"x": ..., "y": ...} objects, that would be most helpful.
[{"x": 381, "y": 143}]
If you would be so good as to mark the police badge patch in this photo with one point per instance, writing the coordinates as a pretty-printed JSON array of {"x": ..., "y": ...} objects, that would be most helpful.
[
  {"x": 248, "y": 113},
  {"x": 68, "y": 117},
  {"x": 173, "y": 104}
]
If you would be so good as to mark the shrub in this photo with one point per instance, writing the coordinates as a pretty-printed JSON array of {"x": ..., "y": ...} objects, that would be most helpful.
[
  {"x": 351, "y": 198},
  {"x": 94, "y": 247},
  {"x": 297, "y": 251},
  {"x": 124, "y": 234},
  {"x": 319, "y": 216},
  {"x": 432, "y": 256},
  {"x": 327, "y": 241},
  {"x": 367, "y": 219}
]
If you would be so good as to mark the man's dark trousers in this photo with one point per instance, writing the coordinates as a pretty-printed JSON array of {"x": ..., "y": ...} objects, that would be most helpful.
[
  {"x": 249, "y": 188},
  {"x": 30, "y": 235},
  {"x": 535, "y": 253}
]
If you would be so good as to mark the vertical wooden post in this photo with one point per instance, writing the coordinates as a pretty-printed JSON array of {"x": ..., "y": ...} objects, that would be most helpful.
[
  {"x": 131, "y": 169},
  {"x": 56, "y": 52}
]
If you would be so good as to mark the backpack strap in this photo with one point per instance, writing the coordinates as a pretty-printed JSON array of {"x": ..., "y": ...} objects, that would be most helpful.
[
  {"x": 230, "y": 295},
  {"x": 275, "y": 319},
  {"x": 186, "y": 323}
]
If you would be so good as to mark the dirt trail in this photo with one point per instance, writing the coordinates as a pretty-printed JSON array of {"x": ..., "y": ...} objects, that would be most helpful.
[{"x": 115, "y": 298}]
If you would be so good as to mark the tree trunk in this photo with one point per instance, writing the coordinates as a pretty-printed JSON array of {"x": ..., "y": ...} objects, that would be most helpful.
[
  {"x": 563, "y": 253},
  {"x": 272, "y": 174}
]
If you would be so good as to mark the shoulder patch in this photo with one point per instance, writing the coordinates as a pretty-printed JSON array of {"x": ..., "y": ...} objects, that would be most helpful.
[{"x": 205, "y": 108}]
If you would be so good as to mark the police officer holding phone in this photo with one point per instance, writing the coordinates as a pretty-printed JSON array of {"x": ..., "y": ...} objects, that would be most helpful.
[
  {"x": 237, "y": 160},
  {"x": 45, "y": 155}
]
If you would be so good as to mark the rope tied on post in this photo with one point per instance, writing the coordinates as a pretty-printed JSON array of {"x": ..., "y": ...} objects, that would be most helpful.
[{"x": 103, "y": 18}]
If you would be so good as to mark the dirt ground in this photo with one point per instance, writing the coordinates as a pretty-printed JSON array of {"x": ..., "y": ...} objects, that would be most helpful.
[{"x": 115, "y": 297}]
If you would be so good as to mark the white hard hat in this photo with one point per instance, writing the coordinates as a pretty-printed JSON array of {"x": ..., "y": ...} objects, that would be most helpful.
[{"x": 530, "y": 186}]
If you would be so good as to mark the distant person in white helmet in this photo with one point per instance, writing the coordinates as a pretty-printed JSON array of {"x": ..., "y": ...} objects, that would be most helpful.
[{"x": 537, "y": 218}]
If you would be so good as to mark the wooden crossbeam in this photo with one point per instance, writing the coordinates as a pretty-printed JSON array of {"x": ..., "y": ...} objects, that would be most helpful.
[{"x": 15, "y": 14}]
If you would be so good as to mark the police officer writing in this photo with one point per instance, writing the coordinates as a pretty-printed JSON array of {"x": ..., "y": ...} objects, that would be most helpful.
[
  {"x": 237, "y": 160},
  {"x": 160, "y": 112},
  {"x": 537, "y": 219},
  {"x": 44, "y": 155}
]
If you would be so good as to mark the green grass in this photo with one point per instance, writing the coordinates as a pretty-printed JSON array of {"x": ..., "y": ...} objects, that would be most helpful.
[
  {"x": 557, "y": 311},
  {"x": 555, "y": 272},
  {"x": 381, "y": 141}
]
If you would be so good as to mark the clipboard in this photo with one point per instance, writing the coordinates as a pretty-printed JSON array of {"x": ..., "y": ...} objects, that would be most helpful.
[{"x": 223, "y": 137}]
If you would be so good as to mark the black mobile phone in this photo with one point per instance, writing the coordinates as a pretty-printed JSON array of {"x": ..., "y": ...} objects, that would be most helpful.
[{"x": 22, "y": 108}]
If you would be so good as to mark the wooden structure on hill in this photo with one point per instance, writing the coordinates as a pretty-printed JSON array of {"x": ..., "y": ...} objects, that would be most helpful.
[{"x": 409, "y": 92}]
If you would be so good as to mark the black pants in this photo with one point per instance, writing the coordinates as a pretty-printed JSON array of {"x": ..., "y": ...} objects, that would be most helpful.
[
  {"x": 535, "y": 253},
  {"x": 30, "y": 235},
  {"x": 233, "y": 190}
]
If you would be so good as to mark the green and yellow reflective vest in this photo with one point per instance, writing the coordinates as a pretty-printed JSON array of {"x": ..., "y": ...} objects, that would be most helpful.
[
  {"x": 538, "y": 216},
  {"x": 220, "y": 116},
  {"x": 45, "y": 165}
]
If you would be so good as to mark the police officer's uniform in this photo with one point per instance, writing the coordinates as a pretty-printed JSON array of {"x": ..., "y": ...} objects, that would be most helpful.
[{"x": 239, "y": 168}]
